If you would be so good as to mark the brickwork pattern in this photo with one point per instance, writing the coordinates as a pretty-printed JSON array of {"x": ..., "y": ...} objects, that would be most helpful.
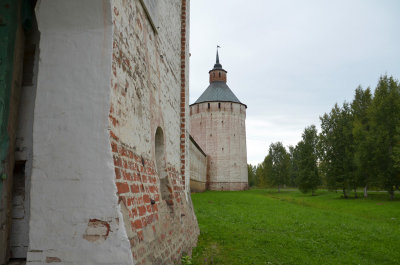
[
  {"x": 156, "y": 232},
  {"x": 183, "y": 137},
  {"x": 218, "y": 75},
  {"x": 148, "y": 93}
]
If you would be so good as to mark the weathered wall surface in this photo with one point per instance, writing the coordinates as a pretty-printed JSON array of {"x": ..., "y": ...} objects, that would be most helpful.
[
  {"x": 86, "y": 139},
  {"x": 221, "y": 132},
  {"x": 146, "y": 95},
  {"x": 75, "y": 215},
  {"x": 198, "y": 167}
]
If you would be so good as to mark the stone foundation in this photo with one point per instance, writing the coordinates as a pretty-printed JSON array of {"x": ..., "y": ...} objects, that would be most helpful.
[
  {"x": 228, "y": 186},
  {"x": 197, "y": 186}
]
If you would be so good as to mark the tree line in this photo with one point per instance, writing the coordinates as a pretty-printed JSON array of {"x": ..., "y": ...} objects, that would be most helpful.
[{"x": 358, "y": 147}]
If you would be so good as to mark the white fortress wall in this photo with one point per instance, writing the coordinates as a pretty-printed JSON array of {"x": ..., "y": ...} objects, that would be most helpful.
[{"x": 75, "y": 217}]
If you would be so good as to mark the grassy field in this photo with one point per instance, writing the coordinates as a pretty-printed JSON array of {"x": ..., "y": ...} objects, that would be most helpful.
[{"x": 267, "y": 227}]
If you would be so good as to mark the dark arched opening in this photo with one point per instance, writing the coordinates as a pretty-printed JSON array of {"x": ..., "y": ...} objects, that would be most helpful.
[{"x": 165, "y": 187}]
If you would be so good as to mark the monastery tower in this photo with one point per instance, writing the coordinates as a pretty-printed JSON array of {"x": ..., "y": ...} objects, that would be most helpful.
[{"x": 218, "y": 126}]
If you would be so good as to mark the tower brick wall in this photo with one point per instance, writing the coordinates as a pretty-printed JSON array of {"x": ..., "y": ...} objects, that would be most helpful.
[
  {"x": 219, "y": 129},
  {"x": 218, "y": 75}
]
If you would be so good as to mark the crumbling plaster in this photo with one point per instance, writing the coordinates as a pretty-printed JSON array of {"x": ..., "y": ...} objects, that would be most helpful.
[
  {"x": 147, "y": 71},
  {"x": 72, "y": 184}
]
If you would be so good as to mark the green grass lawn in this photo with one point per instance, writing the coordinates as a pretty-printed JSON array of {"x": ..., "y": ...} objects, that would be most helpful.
[{"x": 266, "y": 227}]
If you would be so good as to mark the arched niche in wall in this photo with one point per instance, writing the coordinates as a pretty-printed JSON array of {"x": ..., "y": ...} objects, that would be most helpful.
[{"x": 165, "y": 186}]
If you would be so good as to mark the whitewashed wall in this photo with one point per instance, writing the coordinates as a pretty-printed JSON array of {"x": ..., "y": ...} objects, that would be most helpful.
[
  {"x": 221, "y": 132},
  {"x": 75, "y": 217},
  {"x": 198, "y": 167}
]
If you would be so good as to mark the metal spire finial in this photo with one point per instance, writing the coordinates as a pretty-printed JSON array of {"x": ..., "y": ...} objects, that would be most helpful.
[
  {"x": 217, "y": 61},
  {"x": 217, "y": 65}
]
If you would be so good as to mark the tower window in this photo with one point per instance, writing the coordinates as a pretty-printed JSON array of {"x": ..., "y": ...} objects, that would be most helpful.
[
  {"x": 219, "y": 105},
  {"x": 208, "y": 105},
  {"x": 219, "y": 74}
]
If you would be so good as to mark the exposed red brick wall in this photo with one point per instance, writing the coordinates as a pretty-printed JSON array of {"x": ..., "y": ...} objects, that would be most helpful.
[
  {"x": 144, "y": 71},
  {"x": 138, "y": 185},
  {"x": 183, "y": 90},
  {"x": 217, "y": 75}
]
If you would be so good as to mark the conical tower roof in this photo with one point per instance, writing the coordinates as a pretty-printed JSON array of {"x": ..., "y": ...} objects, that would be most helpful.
[{"x": 217, "y": 90}]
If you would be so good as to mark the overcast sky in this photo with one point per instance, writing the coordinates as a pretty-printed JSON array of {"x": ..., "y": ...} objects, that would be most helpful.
[{"x": 290, "y": 61}]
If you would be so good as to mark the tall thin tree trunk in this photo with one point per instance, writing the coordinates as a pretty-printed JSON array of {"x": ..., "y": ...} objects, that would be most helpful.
[
  {"x": 355, "y": 192},
  {"x": 344, "y": 193},
  {"x": 366, "y": 191},
  {"x": 279, "y": 188}
]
